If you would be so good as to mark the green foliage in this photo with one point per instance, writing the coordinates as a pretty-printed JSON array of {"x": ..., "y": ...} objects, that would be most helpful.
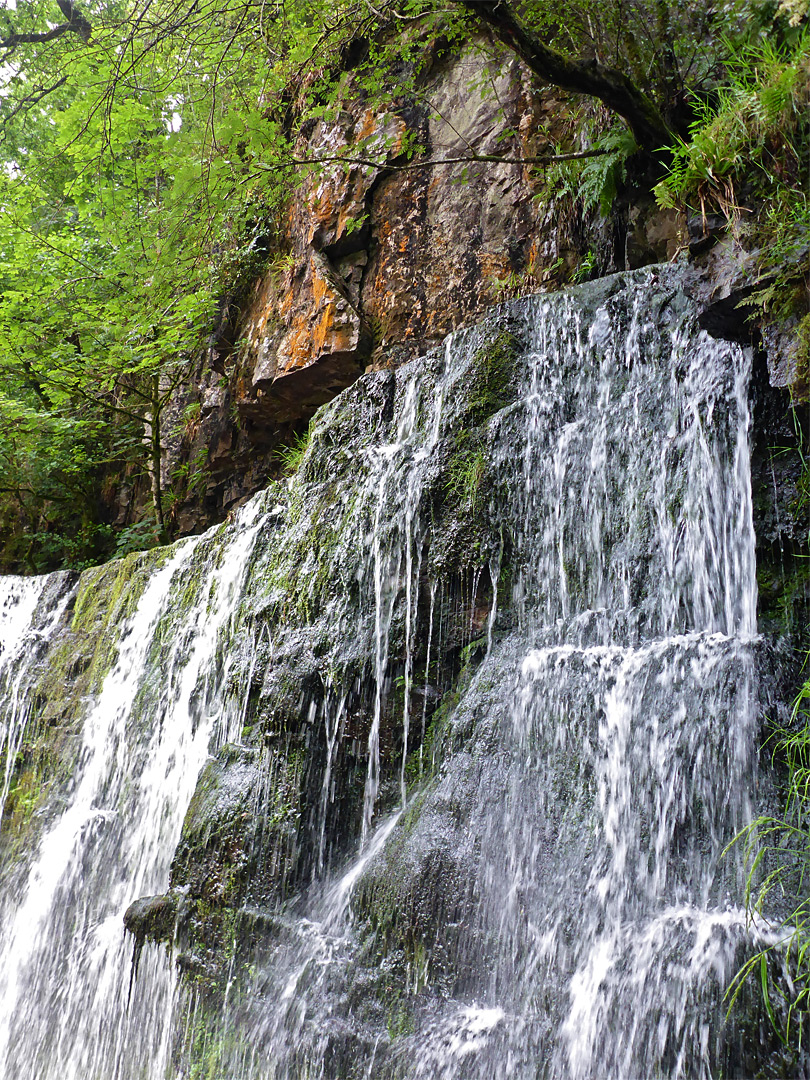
[
  {"x": 778, "y": 855},
  {"x": 127, "y": 206},
  {"x": 292, "y": 454},
  {"x": 777, "y": 849},
  {"x": 593, "y": 181},
  {"x": 515, "y": 284},
  {"x": 753, "y": 140},
  {"x": 282, "y": 263},
  {"x": 585, "y": 269},
  {"x": 47, "y": 463},
  {"x": 661, "y": 45},
  {"x": 601, "y": 176},
  {"x": 137, "y": 537},
  {"x": 747, "y": 156},
  {"x": 467, "y": 476}
]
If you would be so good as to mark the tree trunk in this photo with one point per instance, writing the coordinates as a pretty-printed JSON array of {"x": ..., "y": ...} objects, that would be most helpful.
[
  {"x": 610, "y": 86},
  {"x": 154, "y": 441}
]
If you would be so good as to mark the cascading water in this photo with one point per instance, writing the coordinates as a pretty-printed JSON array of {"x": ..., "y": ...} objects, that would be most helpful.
[
  {"x": 30, "y": 612},
  {"x": 64, "y": 986},
  {"x": 547, "y": 532}
]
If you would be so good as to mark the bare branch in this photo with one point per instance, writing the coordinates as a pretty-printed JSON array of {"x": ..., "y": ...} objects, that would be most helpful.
[
  {"x": 32, "y": 99},
  {"x": 465, "y": 159}
]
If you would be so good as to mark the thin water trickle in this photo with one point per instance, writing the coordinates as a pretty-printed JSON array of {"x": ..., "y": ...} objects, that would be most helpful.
[{"x": 400, "y": 469}]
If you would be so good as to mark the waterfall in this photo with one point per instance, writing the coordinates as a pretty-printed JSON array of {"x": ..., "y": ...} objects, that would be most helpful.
[
  {"x": 479, "y": 691},
  {"x": 30, "y": 612},
  {"x": 65, "y": 1008}
]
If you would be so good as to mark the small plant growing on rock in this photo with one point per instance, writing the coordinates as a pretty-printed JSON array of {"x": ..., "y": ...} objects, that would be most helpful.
[
  {"x": 467, "y": 478},
  {"x": 292, "y": 454}
]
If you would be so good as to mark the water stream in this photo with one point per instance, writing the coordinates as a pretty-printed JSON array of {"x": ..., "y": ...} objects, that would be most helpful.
[
  {"x": 526, "y": 883},
  {"x": 64, "y": 984}
]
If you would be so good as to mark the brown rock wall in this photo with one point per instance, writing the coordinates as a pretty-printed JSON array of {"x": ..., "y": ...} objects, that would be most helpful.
[{"x": 383, "y": 262}]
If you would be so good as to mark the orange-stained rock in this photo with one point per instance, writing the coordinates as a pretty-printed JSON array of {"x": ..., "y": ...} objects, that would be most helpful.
[
  {"x": 384, "y": 262},
  {"x": 316, "y": 344}
]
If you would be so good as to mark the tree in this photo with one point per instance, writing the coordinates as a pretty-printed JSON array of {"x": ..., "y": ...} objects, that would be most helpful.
[
  {"x": 641, "y": 58},
  {"x": 104, "y": 296},
  {"x": 613, "y": 87}
]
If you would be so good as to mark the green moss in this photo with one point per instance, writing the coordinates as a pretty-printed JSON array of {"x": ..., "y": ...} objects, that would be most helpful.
[
  {"x": 77, "y": 665},
  {"x": 238, "y": 846},
  {"x": 492, "y": 377},
  {"x": 406, "y": 909},
  {"x": 783, "y": 590},
  {"x": 214, "y": 1049},
  {"x": 44, "y": 765},
  {"x": 24, "y": 797},
  {"x": 107, "y": 596},
  {"x": 300, "y": 573},
  {"x": 423, "y": 762},
  {"x": 403, "y": 909},
  {"x": 399, "y": 1017},
  {"x": 801, "y": 379},
  {"x": 191, "y": 583},
  {"x": 467, "y": 492}
]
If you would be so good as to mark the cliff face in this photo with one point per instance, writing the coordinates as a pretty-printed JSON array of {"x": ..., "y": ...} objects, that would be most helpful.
[
  {"x": 379, "y": 263},
  {"x": 382, "y": 262},
  {"x": 497, "y": 633}
]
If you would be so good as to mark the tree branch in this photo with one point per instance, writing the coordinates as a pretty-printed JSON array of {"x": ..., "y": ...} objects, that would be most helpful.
[
  {"x": 609, "y": 85},
  {"x": 76, "y": 24},
  {"x": 32, "y": 99},
  {"x": 75, "y": 20},
  {"x": 465, "y": 159}
]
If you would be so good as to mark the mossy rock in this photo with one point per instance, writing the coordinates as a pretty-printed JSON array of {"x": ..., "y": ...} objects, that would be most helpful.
[
  {"x": 83, "y": 650},
  {"x": 239, "y": 845},
  {"x": 152, "y": 918},
  {"x": 246, "y": 804},
  {"x": 493, "y": 376}
]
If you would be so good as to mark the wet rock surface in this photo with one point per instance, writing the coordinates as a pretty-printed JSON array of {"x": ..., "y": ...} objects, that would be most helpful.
[
  {"x": 437, "y": 909},
  {"x": 152, "y": 918}
]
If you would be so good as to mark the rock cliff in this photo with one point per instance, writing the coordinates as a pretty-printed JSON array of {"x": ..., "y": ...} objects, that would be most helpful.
[{"x": 378, "y": 264}]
